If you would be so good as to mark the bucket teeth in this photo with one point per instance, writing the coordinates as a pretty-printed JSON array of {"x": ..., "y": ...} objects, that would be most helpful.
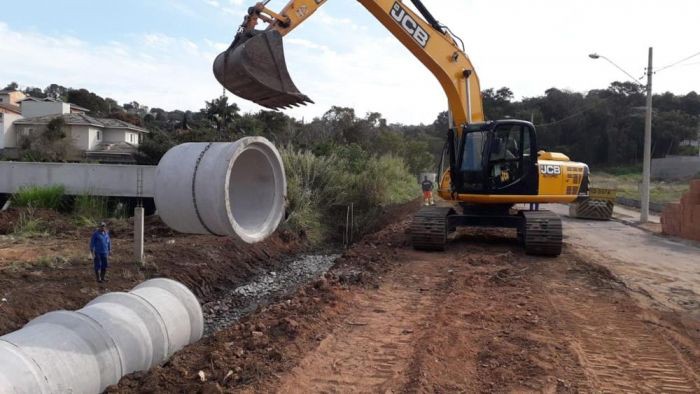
[{"x": 254, "y": 68}]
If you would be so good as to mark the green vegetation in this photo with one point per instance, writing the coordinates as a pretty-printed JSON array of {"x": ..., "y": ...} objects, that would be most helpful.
[
  {"x": 627, "y": 180},
  {"x": 49, "y": 197},
  {"x": 603, "y": 127},
  {"x": 321, "y": 187},
  {"x": 28, "y": 224},
  {"x": 90, "y": 210},
  {"x": 50, "y": 143}
]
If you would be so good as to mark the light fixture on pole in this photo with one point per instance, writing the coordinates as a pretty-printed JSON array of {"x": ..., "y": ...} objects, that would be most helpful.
[{"x": 646, "y": 167}]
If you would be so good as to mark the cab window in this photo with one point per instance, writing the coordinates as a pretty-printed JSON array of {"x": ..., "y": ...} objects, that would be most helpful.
[{"x": 510, "y": 144}]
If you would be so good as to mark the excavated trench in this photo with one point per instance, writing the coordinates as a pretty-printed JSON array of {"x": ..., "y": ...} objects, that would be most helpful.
[{"x": 267, "y": 287}]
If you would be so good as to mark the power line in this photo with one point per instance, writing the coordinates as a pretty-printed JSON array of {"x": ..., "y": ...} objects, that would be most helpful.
[
  {"x": 568, "y": 117},
  {"x": 678, "y": 62}
]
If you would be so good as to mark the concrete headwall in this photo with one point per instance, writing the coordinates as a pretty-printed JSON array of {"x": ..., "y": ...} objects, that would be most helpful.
[
  {"x": 675, "y": 167},
  {"x": 80, "y": 178}
]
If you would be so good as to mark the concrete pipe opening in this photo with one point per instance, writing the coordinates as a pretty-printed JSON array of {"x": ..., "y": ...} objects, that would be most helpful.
[{"x": 228, "y": 189}]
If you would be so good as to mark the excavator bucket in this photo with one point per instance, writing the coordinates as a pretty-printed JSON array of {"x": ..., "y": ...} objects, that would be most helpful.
[{"x": 253, "y": 68}]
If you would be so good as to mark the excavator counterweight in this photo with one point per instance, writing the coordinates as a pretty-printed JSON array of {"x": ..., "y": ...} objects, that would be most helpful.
[{"x": 253, "y": 68}]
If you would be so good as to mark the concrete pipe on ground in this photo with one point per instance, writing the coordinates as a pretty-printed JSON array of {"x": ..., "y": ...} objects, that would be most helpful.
[
  {"x": 227, "y": 189},
  {"x": 87, "y": 350}
]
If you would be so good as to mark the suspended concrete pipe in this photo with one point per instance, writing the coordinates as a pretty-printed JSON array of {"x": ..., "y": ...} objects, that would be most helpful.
[
  {"x": 228, "y": 189},
  {"x": 89, "y": 349}
]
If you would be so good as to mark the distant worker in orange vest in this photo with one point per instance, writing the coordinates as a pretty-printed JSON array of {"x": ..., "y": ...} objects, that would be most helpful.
[{"x": 427, "y": 186}]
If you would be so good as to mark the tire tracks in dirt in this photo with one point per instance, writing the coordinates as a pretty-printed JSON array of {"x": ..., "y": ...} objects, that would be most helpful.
[
  {"x": 372, "y": 353},
  {"x": 618, "y": 346}
]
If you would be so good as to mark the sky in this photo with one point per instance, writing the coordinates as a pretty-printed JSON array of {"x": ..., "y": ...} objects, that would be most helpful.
[{"x": 159, "y": 53}]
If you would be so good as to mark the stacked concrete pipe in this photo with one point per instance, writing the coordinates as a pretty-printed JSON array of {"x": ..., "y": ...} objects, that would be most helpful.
[
  {"x": 227, "y": 189},
  {"x": 87, "y": 350}
]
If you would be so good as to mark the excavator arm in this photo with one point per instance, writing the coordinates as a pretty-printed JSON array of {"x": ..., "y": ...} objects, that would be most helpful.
[{"x": 254, "y": 67}]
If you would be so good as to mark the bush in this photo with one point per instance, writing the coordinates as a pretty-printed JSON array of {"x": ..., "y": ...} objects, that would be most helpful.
[
  {"x": 50, "y": 144},
  {"x": 49, "y": 197},
  {"x": 319, "y": 188},
  {"x": 309, "y": 179}
]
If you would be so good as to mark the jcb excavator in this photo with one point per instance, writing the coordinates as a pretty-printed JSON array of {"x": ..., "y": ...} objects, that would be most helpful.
[{"x": 487, "y": 166}]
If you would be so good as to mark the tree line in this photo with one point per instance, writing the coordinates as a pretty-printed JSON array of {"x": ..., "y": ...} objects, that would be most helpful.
[{"x": 603, "y": 127}]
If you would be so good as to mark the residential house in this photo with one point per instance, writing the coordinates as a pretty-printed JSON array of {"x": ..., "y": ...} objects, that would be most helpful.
[
  {"x": 12, "y": 97},
  {"x": 99, "y": 139},
  {"x": 9, "y": 113}
]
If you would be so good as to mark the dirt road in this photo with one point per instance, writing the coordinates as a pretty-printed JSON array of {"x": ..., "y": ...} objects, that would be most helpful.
[
  {"x": 664, "y": 270},
  {"x": 481, "y": 317}
]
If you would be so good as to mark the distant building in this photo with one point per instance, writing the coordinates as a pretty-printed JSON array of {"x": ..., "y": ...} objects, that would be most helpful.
[
  {"x": 100, "y": 139},
  {"x": 12, "y": 97},
  {"x": 9, "y": 113},
  {"x": 33, "y": 107}
]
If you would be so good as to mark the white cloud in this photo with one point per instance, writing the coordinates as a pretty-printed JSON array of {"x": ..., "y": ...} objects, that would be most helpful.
[
  {"x": 154, "y": 69},
  {"x": 342, "y": 56}
]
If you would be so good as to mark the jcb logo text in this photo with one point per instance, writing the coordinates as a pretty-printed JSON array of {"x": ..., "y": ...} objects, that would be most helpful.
[
  {"x": 410, "y": 25},
  {"x": 548, "y": 169}
]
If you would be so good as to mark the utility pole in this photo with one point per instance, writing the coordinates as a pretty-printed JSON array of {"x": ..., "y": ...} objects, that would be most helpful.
[{"x": 646, "y": 167}]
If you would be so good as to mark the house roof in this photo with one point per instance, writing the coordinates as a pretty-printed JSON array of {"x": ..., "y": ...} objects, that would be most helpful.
[
  {"x": 83, "y": 120},
  {"x": 11, "y": 107},
  {"x": 79, "y": 108},
  {"x": 6, "y": 91},
  {"x": 53, "y": 100}
]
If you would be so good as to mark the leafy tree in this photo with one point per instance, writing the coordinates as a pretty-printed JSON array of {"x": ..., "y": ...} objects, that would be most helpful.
[
  {"x": 34, "y": 92},
  {"x": 57, "y": 92},
  {"x": 84, "y": 98},
  {"x": 220, "y": 112},
  {"x": 11, "y": 86}
]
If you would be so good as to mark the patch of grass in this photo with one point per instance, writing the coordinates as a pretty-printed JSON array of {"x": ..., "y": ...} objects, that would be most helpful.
[
  {"x": 627, "y": 184},
  {"x": 52, "y": 262},
  {"x": 90, "y": 210},
  {"x": 29, "y": 225},
  {"x": 49, "y": 197}
]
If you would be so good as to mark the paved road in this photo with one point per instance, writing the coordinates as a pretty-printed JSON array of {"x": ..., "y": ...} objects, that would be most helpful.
[{"x": 664, "y": 268}]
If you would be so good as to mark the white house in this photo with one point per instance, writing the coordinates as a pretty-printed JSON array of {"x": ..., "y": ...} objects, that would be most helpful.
[
  {"x": 100, "y": 138},
  {"x": 8, "y": 115},
  {"x": 88, "y": 133}
]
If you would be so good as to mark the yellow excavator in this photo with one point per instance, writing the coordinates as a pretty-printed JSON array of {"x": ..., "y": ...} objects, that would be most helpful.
[{"x": 487, "y": 166}]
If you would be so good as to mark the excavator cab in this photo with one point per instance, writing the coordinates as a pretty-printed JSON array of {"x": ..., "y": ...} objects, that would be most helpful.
[
  {"x": 496, "y": 158},
  {"x": 254, "y": 68}
]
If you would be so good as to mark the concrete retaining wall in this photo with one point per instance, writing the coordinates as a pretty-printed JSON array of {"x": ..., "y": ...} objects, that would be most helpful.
[
  {"x": 111, "y": 180},
  {"x": 675, "y": 167}
]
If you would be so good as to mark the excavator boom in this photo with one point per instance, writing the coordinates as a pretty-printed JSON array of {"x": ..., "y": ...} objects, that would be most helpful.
[{"x": 254, "y": 66}]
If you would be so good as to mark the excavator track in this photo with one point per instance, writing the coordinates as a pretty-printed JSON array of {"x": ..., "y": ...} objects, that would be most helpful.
[
  {"x": 429, "y": 228},
  {"x": 541, "y": 233}
]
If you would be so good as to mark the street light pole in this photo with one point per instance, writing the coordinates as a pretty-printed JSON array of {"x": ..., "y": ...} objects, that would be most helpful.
[{"x": 646, "y": 167}]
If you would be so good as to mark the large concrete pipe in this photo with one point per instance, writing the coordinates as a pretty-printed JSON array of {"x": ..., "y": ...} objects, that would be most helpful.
[
  {"x": 87, "y": 350},
  {"x": 228, "y": 189}
]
